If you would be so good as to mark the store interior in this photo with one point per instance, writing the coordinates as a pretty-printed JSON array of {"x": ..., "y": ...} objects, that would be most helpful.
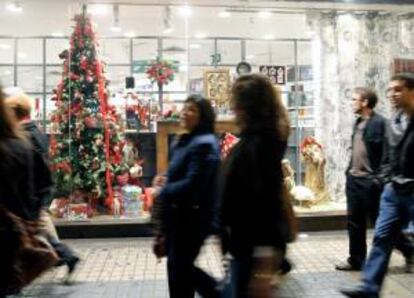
[{"x": 315, "y": 50}]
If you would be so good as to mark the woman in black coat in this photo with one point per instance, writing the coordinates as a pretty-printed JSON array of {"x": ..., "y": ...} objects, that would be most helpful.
[
  {"x": 254, "y": 220},
  {"x": 16, "y": 190},
  {"x": 188, "y": 199}
]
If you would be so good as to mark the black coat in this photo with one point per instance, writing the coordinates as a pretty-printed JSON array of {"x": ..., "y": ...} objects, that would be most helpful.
[
  {"x": 42, "y": 183},
  {"x": 375, "y": 141},
  {"x": 251, "y": 194},
  {"x": 16, "y": 172},
  {"x": 189, "y": 197},
  {"x": 403, "y": 166}
]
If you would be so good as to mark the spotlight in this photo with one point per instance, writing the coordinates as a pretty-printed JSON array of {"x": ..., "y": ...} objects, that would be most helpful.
[
  {"x": 185, "y": 11},
  {"x": 15, "y": 6},
  {"x": 116, "y": 27}
]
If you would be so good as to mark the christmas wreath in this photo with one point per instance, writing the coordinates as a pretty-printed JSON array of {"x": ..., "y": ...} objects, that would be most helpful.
[{"x": 162, "y": 71}]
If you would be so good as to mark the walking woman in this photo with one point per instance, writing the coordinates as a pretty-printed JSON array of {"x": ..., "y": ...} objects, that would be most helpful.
[
  {"x": 187, "y": 196},
  {"x": 254, "y": 216},
  {"x": 16, "y": 190}
]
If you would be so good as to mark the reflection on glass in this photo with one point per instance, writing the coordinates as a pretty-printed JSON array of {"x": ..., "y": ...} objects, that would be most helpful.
[
  {"x": 30, "y": 78},
  {"x": 30, "y": 51}
]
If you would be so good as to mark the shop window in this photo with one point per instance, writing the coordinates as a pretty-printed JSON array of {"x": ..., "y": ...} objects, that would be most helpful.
[
  {"x": 30, "y": 51},
  {"x": 53, "y": 76},
  {"x": 145, "y": 49},
  {"x": 7, "y": 75},
  {"x": 201, "y": 51},
  {"x": 116, "y": 76},
  {"x": 30, "y": 78},
  {"x": 6, "y": 50},
  {"x": 115, "y": 50},
  {"x": 53, "y": 48},
  {"x": 230, "y": 51}
]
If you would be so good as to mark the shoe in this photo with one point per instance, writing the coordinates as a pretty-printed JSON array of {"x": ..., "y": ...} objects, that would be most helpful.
[
  {"x": 345, "y": 266},
  {"x": 357, "y": 292},
  {"x": 72, "y": 263},
  {"x": 285, "y": 267}
]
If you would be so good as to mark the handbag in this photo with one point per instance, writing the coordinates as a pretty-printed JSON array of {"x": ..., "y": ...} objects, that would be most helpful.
[{"x": 25, "y": 252}]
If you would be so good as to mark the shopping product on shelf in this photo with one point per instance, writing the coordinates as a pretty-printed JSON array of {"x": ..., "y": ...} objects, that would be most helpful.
[
  {"x": 78, "y": 211},
  {"x": 131, "y": 199},
  {"x": 59, "y": 207}
]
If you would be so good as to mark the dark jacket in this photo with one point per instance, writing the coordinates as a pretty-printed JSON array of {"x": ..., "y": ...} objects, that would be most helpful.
[
  {"x": 403, "y": 166},
  {"x": 16, "y": 172},
  {"x": 42, "y": 180},
  {"x": 394, "y": 136},
  {"x": 374, "y": 137},
  {"x": 251, "y": 194},
  {"x": 189, "y": 197}
]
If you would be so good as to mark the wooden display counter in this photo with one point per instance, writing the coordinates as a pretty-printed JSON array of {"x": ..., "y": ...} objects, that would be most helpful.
[{"x": 166, "y": 128}]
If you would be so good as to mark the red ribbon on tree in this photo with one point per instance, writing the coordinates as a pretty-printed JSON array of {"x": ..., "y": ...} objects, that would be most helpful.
[{"x": 104, "y": 108}]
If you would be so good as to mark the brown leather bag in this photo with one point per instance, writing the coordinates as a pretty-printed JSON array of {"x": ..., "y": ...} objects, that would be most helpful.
[{"x": 25, "y": 253}]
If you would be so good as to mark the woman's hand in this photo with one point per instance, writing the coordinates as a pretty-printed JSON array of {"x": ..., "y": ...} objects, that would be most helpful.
[{"x": 159, "y": 181}]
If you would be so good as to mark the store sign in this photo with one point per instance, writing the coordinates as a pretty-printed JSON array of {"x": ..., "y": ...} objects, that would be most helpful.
[{"x": 276, "y": 74}]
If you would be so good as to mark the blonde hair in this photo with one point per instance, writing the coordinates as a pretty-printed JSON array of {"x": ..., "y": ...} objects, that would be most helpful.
[
  {"x": 21, "y": 104},
  {"x": 9, "y": 127}
]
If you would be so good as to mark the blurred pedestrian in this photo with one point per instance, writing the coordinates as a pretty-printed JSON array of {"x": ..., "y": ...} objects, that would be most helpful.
[
  {"x": 23, "y": 256},
  {"x": 187, "y": 197},
  {"x": 21, "y": 104},
  {"x": 256, "y": 216}
]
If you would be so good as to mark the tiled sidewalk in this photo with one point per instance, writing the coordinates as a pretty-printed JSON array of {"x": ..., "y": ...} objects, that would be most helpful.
[{"x": 127, "y": 268}]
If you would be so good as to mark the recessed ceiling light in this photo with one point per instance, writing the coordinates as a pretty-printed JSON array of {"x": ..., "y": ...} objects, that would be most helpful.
[
  {"x": 15, "y": 6},
  {"x": 185, "y": 11},
  {"x": 57, "y": 34},
  {"x": 200, "y": 35},
  {"x": 130, "y": 34},
  {"x": 224, "y": 14},
  {"x": 5, "y": 46},
  {"x": 265, "y": 14},
  {"x": 168, "y": 30},
  {"x": 195, "y": 46},
  {"x": 98, "y": 9},
  {"x": 268, "y": 36}
]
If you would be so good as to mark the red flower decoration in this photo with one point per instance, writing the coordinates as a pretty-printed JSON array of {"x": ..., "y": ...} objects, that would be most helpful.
[{"x": 161, "y": 71}]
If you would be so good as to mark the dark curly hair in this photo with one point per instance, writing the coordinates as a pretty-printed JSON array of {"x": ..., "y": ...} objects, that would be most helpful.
[
  {"x": 260, "y": 105},
  {"x": 207, "y": 115}
]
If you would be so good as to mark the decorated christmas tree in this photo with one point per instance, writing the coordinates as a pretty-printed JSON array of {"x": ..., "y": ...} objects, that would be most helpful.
[{"x": 87, "y": 150}]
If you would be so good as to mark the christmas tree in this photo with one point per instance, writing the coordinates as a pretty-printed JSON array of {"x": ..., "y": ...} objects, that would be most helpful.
[{"x": 86, "y": 151}]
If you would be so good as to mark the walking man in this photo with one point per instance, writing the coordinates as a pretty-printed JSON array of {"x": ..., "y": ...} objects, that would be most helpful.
[{"x": 397, "y": 200}]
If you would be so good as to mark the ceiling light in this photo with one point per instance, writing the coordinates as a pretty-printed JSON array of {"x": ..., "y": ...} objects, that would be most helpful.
[
  {"x": 5, "y": 46},
  {"x": 57, "y": 34},
  {"x": 224, "y": 14},
  {"x": 7, "y": 73},
  {"x": 250, "y": 57},
  {"x": 116, "y": 27},
  {"x": 268, "y": 36},
  {"x": 98, "y": 9},
  {"x": 168, "y": 30},
  {"x": 200, "y": 35},
  {"x": 265, "y": 14},
  {"x": 22, "y": 55},
  {"x": 195, "y": 46},
  {"x": 15, "y": 6},
  {"x": 130, "y": 34},
  {"x": 185, "y": 11}
]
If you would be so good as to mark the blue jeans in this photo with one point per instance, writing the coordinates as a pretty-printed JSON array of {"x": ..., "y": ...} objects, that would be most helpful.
[{"x": 394, "y": 212}]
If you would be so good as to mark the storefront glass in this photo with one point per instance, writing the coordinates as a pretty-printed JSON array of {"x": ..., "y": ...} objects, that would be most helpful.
[{"x": 284, "y": 44}]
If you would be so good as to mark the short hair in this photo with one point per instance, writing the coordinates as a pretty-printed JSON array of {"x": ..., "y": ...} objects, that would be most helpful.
[
  {"x": 407, "y": 77},
  {"x": 21, "y": 105},
  {"x": 367, "y": 94}
]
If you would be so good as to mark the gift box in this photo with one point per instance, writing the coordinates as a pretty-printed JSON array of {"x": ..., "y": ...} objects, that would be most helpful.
[
  {"x": 131, "y": 201},
  {"x": 78, "y": 211},
  {"x": 59, "y": 207}
]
